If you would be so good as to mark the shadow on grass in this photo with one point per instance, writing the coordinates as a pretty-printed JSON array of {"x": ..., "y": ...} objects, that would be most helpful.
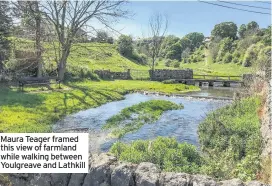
[
  {"x": 9, "y": 97},
  {"x": 93, "y": 94}
]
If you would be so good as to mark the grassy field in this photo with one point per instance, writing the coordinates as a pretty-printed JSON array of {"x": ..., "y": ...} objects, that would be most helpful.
[{"x": 35, "y": 110}]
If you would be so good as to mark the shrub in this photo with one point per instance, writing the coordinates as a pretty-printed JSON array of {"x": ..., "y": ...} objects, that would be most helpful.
[
  {"x": 167, "y": 153},
  {"x": 251, "y": 54},
  {"x": 235, "y": 60},
  {"x": 227, "y": 58},
  {"x": 169, "y": 81},
  {"x": 230, "y": 137},
  {"x": 168, "y": 62},
  {"x": 176, "y": 64}
]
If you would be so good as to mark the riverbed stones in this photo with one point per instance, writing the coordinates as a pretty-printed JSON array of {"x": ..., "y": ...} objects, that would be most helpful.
[
  {"x": 77, "y": 179},
  {"x": 201, "y": 180},
  {"x": 255, "y": 183},
  {"x": 123, "y": 175},
  {"x": 174, "y": 179},
  {"x": 101, "y": 167},
  {"x": 147, "y": 174}
]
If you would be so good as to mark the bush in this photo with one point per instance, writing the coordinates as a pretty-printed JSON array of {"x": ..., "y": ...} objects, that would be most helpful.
[
  {"x": 251, "y": 54},
  {"x": 235, "y": 60},
  {"x": 139, "y": 58},
  {"x": 227, "y": 58},
  {"x": 169, "y": 81},
  {"x": 168, "y": 62},
  {"x": 230, "y": 137},
  {"x": 176, "y": 64},
  {"x": 167, "y": 153}
]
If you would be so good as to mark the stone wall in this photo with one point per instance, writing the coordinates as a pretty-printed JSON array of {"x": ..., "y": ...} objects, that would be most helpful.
[
  {"x": 105, "y": 170},
  {"x": 107, "y": 74},
  {"x": 165, "y": 74}
]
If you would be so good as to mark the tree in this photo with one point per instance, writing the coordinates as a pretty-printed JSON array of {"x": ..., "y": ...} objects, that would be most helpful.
[
  {"x": 32, "y": 11},
  {"x": 185, "y": 43},
  {"x": 167, "y": 42},
  {"x": 174, "y": 51},
  {"x": 5, "y": 24},
  {"x": 157, "y": 28},
  {"x": 101, "y": 36},
  {"x": 196, "y": 39},
  {"x": 252, "y": 28},
  {"x": 225, "y": 29},
  {"x": 125, "y": 47},
  {"x": 242, "y": 31},
  {"x": 70, "y": 16}
]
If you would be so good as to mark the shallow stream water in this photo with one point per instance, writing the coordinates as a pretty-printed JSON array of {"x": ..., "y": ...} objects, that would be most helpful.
[{"x": 181, "y": 124}]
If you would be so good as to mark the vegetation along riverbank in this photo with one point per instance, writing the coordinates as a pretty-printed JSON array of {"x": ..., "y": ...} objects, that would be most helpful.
[
  {"x": 230, "y": 143},
  {"x": 36, "y": 109}
]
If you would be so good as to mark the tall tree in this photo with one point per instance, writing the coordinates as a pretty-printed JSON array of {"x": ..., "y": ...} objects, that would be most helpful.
[
  {"x": 5, "y": 24},
  {"x": 224, "y": 29},
  {"x": 252, "y": 28},
  {"x": 30, "y": 13},
  {"x": 125, "y": 47},
  {"x": 196, "y": 39},
  {"x": 242, "y": 31},
  {"x": 70, "y": 16},
  {"x": 158, "y": 25}
]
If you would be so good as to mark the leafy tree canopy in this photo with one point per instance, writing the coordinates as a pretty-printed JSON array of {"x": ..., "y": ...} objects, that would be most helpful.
[{"x": 224, "y": 29}]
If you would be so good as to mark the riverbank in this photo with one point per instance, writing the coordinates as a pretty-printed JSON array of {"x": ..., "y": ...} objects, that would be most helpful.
[{"x": 36, "y": 109}]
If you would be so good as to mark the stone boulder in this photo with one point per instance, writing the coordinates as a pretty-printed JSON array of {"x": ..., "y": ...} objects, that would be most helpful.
[
  {"x": 147, "y": 174},
  {"x": 101, "y": 167},
  {"x": 123, "y": 175},
  {"x": 255, "y": 183},
  {"x": 232, "y": 182},
  {"x": 174, "y": 179},
  {"x": 201, "y": 180}
]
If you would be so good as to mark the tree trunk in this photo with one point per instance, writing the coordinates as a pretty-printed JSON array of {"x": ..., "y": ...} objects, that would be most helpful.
[
  {"x": 38, "y": 38},
  {"x": 62, "y": 63},
  {"x": 152, "y": 69}
]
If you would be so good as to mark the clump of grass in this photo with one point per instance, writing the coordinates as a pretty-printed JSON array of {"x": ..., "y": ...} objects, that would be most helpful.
[{"x": 132, "y": 118}]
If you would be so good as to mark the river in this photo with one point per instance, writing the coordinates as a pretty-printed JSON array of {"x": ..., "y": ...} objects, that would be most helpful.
[{"x": 181, "y": 124}]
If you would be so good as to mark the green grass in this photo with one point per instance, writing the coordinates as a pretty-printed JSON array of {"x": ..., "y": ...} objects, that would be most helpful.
[
  {"x": 217, "y": 68},
  {"x": 132, "y": 118},
  {"x": 35, "y": 110}
]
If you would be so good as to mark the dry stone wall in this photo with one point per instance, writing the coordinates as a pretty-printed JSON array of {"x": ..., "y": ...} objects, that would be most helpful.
[
  {"x": 107, "y": 74},
  {"x": 105, "y": 170},
  {"x": 165, "y": 74}
]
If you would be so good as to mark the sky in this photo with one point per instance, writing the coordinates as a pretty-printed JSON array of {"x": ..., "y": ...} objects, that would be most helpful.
[{"x": 189, "y": 16}]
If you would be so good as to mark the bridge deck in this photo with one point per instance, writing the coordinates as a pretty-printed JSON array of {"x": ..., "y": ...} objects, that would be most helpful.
[{"x": 211, "y": 80}]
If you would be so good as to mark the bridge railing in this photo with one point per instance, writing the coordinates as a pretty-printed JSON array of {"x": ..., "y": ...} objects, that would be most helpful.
[{"x": 204, "y": 76}]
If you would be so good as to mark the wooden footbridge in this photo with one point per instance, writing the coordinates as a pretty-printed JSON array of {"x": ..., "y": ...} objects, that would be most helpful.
[{"x": 212, "y": 80}]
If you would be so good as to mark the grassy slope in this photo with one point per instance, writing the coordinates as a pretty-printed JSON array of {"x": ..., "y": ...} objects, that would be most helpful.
[
  {"x": 36, "y": 111},
  {"x": 105, "y": 56},
  {"x": 206, "y": 66}
]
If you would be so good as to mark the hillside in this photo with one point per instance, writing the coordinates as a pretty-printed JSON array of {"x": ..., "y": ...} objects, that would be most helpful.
[{"x": 86, "y": 57}]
